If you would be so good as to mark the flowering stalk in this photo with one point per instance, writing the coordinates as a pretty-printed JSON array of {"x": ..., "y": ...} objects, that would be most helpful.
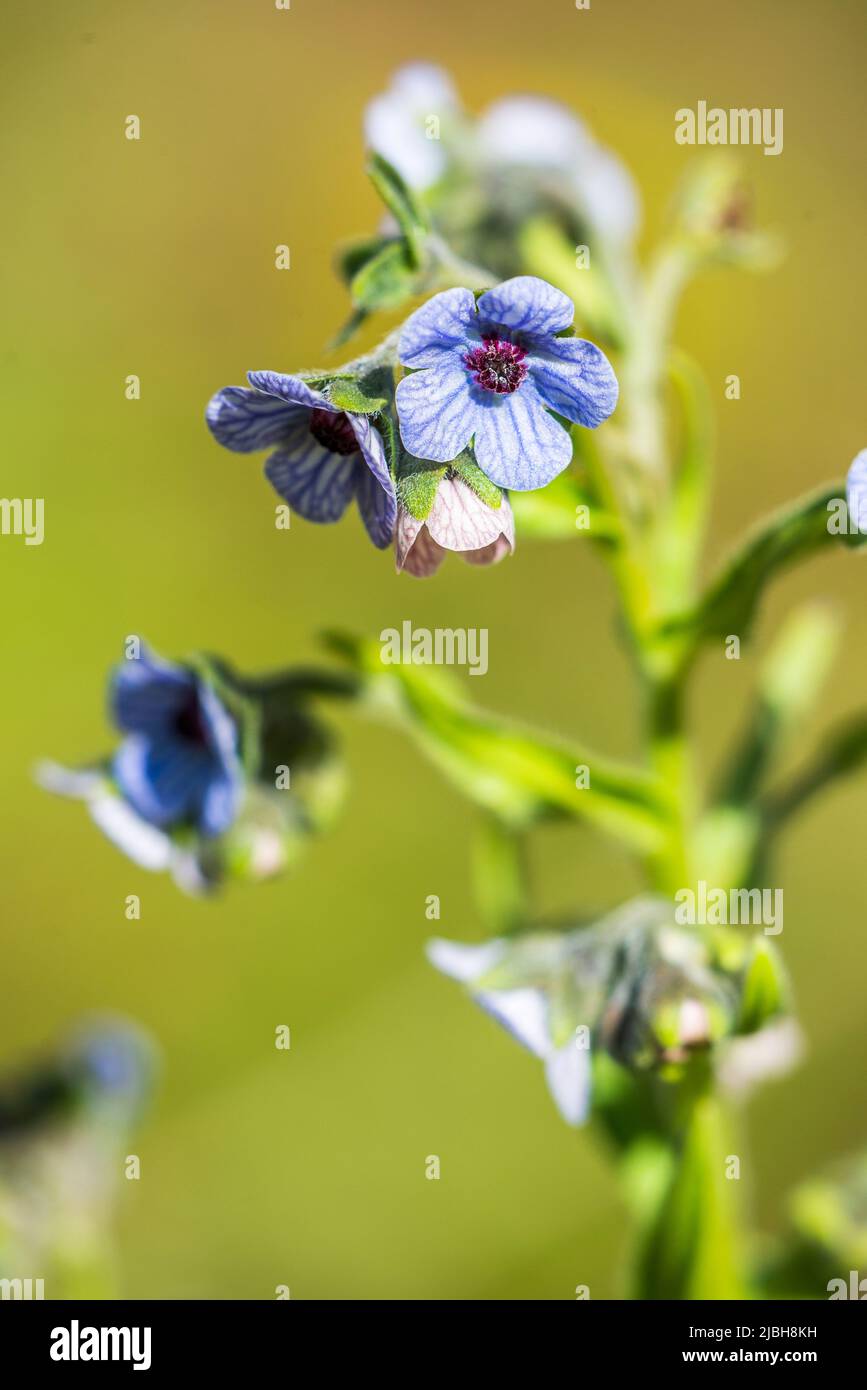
[{"x": 485, "y": 418}]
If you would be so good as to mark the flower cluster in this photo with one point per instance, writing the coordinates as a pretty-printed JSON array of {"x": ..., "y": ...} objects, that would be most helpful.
[
  {"x": 214, "y": 777},
  {"x": 491, "y": 384}
]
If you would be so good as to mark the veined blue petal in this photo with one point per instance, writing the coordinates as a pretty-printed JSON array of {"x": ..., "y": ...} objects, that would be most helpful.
[
  {"x": 378, "y": 507},
  {"x": 289, "y": 388},
  {"x": 372, "y": 449},
  {"x": 220, "y": 803},
  {"x": 316, "y": 483},
  {"x": 446, "y": 325},
  {"x": 568, "y": 1074},
  {"x": 517, "y": 443},
  {"x": 220, "y": 728},
  {"x": 245, "y": 420},
  {"x": 435, "y": 412},
  {"x": 163, "y": 780},
  {"x": 856, "y": 492},
  {"x": 527, "y": 304},
  {"x": 147, "y": 693},
  {"x": 574, "y": 378},
  {"x": 523, "y": 1013}
]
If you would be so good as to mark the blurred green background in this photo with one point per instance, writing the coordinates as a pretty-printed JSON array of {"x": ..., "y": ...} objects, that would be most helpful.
[{"x": 157, "y": 258}]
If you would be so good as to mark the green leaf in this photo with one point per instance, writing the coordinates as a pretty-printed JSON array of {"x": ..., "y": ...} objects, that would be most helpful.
[
  {"x": 402, "y": 204},
  {"x": 351, "y": 258},
  {"x": 789, "y": 684},
  {"x": 361, "y": 395},
  {"x": 792, "y": 534},
  {"x": 679, "y": 535},
  {"x": 521, "y": 775},
  {"x": 843, "y": 752},
  {"x": 385, "y": 281},
  {"x": 765, "y": 990}
]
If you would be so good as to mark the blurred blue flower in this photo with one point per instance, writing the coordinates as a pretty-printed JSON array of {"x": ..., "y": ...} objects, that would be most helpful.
[
  {"x": 324, "y": 457},
  {"x": 492, "y": 373},
  {"x": 179, "y": 763}
]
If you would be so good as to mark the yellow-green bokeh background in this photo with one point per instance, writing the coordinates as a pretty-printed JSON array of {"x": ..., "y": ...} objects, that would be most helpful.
[{"x": 156, "y": 258}]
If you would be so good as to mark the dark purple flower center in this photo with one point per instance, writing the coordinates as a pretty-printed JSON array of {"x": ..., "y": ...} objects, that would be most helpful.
[
  {"x": 497, "y": 365},
  {"x": 189, "y": 724},
  {"x": 333, "y": 431}
]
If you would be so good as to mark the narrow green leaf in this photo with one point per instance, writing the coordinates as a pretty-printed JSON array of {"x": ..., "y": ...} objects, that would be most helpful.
[
  {"x": 402, "y": 204},
  {"x": 789, "y": 683},
  {"x": 843, "y": 752},
  {"x": 792, "y": 534},
  {"x": 520, "y": 775},
  {"x": 679, "y": 536}
]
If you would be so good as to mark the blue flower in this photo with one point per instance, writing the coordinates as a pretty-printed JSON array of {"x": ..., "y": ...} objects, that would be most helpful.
[
  {"x": 324, "y": 456},
  {"x": 179, "y": 763},
  {"x": 856, "y": 493},
  {"x": 492, "y": 372}
]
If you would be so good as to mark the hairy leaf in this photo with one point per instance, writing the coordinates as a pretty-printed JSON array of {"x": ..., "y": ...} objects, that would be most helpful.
[
  {"x": 730, "y": 604},
  {"x": 521, "y": 775}
]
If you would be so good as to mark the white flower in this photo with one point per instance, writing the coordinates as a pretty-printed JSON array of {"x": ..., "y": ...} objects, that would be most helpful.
[
  {"x": 458, "y": 520},
  {"x": 532, "y": 130},
  {"x": 398, "y": 124},
  {"x": 535, "y": 132}
]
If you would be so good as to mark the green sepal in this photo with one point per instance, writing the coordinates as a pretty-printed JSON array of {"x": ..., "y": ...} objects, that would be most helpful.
[
  {"x": 366, "y": 394},
  {"x": 417, "y": 483},
  {"x": 469, "y": 471}
]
